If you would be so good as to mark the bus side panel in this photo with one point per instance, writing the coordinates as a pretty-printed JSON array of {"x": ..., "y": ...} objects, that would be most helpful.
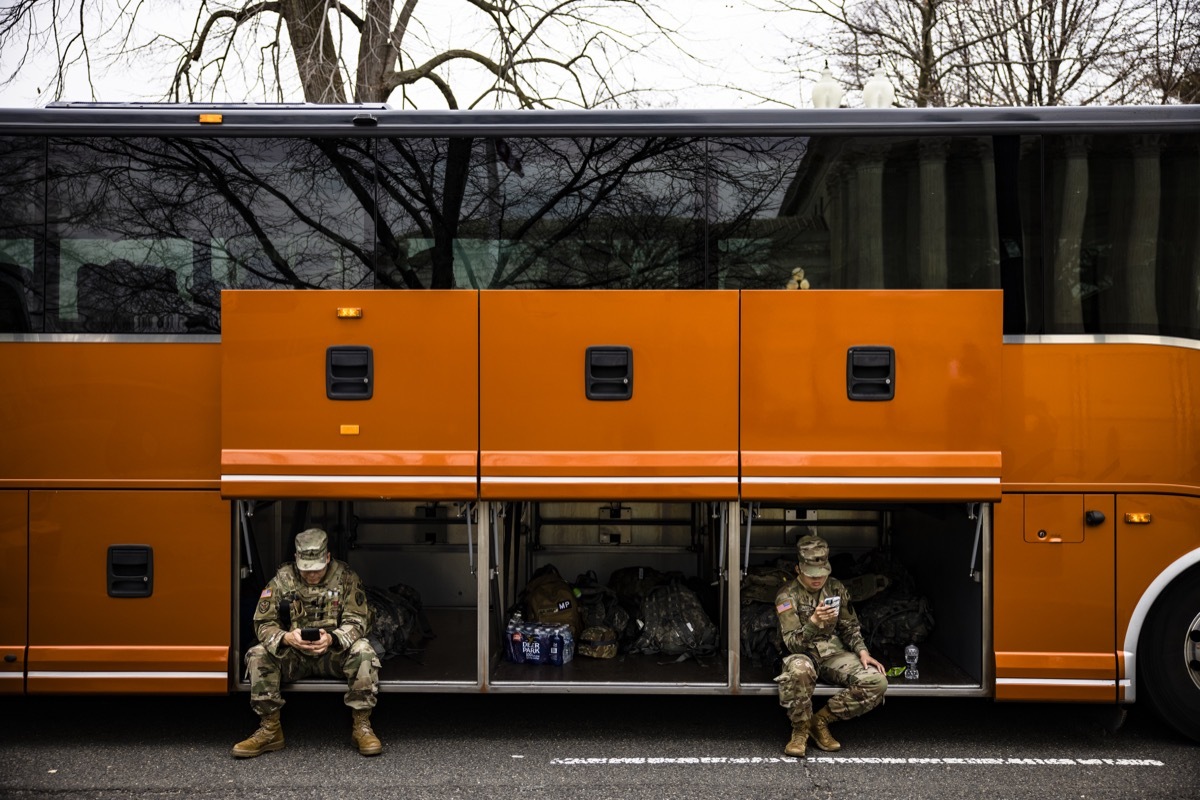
[
  {"x": 675, "y": 436},
  {"x": 806, "y": 434},
  {"x": 415, "y": 436},
  {"x": 82, "y": 639},
  {"x": 14, "y": 589},
  {"x": 1054, "y": 600},
  {"x": 102, "y": 414},
  {"x": 1080, "y": 414},
  {"x": 1144, "y": 551}
]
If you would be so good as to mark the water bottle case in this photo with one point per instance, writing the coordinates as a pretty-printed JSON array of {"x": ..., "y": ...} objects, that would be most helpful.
[{"x": 530, "y": 643}]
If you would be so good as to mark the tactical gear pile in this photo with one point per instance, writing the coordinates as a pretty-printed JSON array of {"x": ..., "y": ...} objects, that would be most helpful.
[
  {"x": 641, "y": 610},
  {"x": 895, "y": 614},
  {"x": 399, "y": 626},
  {"x": 675, "y": 624},
  {"x": 549, "y": 599}
]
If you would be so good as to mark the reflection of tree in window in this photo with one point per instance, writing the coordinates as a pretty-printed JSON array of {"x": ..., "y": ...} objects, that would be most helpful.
[
  {"x": 22, "y": 192},
  {"x": 579, "y": 213},
  {"x": 262, "y": 213}
]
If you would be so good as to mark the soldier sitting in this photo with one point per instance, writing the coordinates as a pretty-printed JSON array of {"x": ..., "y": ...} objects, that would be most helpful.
[
  {"x": 320, "y": 633},
  {"x": 821, "y": 631}
]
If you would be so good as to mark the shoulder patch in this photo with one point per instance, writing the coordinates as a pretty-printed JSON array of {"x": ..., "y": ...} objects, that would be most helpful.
[
  {"x": 265, "y": 593},
  {"x": 263, "y": 606},
  {"x": 786, "y": 605}
]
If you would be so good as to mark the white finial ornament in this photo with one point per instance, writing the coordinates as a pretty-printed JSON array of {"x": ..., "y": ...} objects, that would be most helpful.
[
  {"x": 878, "y": 91},
  {"x": 827, "y": 93}
]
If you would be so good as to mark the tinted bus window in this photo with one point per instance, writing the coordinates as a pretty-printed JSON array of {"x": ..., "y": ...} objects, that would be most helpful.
[
  {"x": 578, "y": 213},
  {"x": 146, "y": 232},
  {"x": 22, "y": 170},
  {"x": 856, "y": 213},
  {"x": 1124, "y": 234}
]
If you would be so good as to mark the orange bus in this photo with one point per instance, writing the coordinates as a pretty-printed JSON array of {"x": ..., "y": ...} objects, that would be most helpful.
[{"x": 962, "y": 345}]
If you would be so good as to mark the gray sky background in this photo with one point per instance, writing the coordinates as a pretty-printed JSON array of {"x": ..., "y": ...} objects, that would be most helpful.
[{"x": 740, "y": 46}]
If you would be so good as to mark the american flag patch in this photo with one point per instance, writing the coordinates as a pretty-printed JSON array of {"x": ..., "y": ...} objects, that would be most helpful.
[
  {"x": 266, "y": 593},
  {"x": 786, "y": 605}
]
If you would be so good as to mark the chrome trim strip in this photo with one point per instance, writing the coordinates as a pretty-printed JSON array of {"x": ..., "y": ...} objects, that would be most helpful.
[
  {"x": 1103, "y": 338},
  {"x": 872, "y": 481},
  {"x": 1053, "y": 682},
  {"x": 12, "y": 674},
  {"x": 591, "y": 480},
  {"x": 464, "y": 479},
  {"x": 113, "y": 338},
  {"x": 137, "y": 675}
]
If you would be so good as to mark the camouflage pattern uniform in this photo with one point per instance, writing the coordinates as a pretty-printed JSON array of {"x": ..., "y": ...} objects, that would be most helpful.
[
  {"x": 339, "y": 605},
  {"x": 830, "y": 654}
]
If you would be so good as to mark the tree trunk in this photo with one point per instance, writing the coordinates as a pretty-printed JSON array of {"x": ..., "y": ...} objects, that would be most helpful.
[
  {"x": 314, "y": 50},
  {"x": 376, "y": 53}
]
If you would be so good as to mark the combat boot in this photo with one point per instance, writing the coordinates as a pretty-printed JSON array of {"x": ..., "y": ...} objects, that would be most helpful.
[
  {"x": 268, "y": 738},
  {"x": 818, "y": 729},
  {"x": 798, "y": 744},
  {"x": 361, "y": 734}
]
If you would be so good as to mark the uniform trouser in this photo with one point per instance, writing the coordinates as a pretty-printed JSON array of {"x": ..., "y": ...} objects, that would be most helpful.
[
  {"x": 864, "y": 688},
  {"x": 358, "y": 665}
]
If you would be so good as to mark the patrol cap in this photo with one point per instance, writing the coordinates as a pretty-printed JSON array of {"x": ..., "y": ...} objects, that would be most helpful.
[
  {"x": 312, "y": 550},
  {"x": 813, "y": 552}
]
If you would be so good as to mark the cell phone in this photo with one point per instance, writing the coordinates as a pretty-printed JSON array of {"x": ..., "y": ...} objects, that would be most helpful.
[
  {"x": 833, "y": 602},
  {"x": 310, "y": 634}
]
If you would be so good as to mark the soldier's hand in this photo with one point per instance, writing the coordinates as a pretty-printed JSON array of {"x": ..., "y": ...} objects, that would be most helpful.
[
  {"x": 823, "y": 615},
  {"x": 320, "y": 645},
  {"x": 870, "y": 663}
]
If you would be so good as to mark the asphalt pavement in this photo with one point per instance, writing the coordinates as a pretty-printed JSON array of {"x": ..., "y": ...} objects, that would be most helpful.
[{"x": 590, "y": 746}]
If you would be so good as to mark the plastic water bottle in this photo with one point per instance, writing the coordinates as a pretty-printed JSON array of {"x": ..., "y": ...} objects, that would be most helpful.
[{"x": 911, "y": 654}]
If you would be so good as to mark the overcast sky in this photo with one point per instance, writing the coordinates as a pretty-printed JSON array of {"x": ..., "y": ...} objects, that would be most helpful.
[{"x": 741, "y": 46}]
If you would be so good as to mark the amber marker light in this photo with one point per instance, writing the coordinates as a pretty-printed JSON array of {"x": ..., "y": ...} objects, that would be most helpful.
[
  {"x": 1138, "y": 518},
  {"x": 212, "y": 119},
  {"x": 349, "y": 313},
  {"x": 349, "y": 430}
]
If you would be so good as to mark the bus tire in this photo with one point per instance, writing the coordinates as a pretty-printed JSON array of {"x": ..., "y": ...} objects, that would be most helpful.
[{"x": 1169, "y": 658}]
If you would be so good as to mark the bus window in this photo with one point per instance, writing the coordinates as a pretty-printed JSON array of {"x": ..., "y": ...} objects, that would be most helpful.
[
  {"x": 856, "y": 213},
  {"x": 146, "y": 232},
  {"x": 1125, "y": 257},
  {"x": 22, "y": 169},
  {"x": 578, "y": 213}
]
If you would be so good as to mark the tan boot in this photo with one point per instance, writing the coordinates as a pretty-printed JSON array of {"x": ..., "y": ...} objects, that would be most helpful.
[
  {"x": 267, "y": 739},
  {"x": 361, "y": 734},
  {"x": 818, "y": 729},
  {"x": 798, "y": 744}
]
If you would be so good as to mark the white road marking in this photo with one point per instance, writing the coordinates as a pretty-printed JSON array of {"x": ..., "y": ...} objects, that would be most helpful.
[{"x": 1050, "y": 762}]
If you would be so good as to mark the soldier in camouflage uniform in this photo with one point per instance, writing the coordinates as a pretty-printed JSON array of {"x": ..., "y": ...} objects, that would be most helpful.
[
  {"x": 826, "y": 642},
  {"x": 315, "y": 592}
]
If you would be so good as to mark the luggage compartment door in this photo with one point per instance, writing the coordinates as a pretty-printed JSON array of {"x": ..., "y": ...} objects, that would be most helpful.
[
  {"x": 352, "y": 394},
  {"x": 129, "y": 592},
  {"x": 607, "y": 395},
  {"x": 870, "y": 395}
]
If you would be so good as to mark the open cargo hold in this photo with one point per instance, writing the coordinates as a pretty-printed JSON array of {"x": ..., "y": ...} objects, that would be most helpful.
[{"x": 470, "y": 575}]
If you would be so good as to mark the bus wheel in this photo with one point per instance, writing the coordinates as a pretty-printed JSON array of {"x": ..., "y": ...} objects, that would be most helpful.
[{"x": 1169, "y": 660}]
